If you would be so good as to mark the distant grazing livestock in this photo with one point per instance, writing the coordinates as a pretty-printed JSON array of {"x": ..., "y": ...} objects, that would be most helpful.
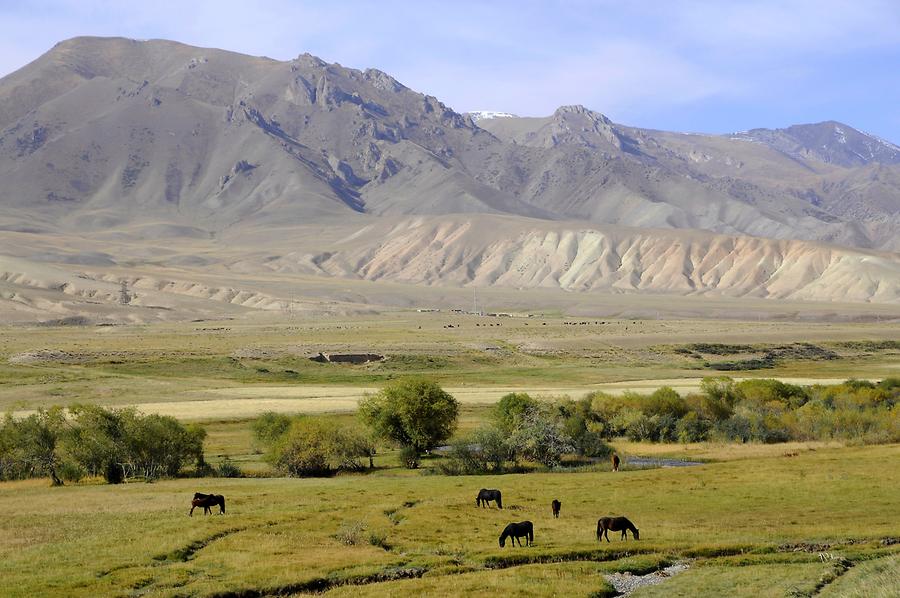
[
  {"x": 485, "y": 496},
  {"x": 555, "y": 505},
  {"x": 523, "y": 529},
  {"x": 615, "y": 462},
  {"x": 616, "y": 524},
  {"x": 207, "y": 501}
]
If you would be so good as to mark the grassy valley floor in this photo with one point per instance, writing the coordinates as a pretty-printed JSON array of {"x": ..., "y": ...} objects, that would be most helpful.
[{"x": 766, "y": 526}]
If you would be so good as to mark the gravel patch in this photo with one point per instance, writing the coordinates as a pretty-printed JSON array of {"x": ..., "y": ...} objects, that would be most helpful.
[{"x": 626, "y": 583}]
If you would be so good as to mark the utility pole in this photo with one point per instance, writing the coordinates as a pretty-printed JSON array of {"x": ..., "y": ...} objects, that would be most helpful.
[{"x": 124, "y": 296}]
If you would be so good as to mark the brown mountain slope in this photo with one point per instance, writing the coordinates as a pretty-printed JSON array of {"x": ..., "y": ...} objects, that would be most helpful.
[
  {"x": 101, "y": 131},
  {"x": 121, "y": 153}
]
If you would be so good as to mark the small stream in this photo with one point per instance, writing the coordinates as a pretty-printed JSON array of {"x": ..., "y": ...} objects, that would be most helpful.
[{"x": 653, "y": 462}]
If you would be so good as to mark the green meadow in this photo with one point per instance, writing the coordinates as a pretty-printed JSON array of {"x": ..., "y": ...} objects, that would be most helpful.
[
  {"x": 772, "y": 526},
  {"x": 789, "y": 519}
]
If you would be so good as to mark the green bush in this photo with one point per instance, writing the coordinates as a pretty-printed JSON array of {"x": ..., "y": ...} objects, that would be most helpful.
[
  {"x": 540, "y": 437},
  {"x": 268, "y": 427},
  {"x": 316, "y": 447},
  {"x": 692, "y": 428},
  {"x": 228, "y": 469},
  {"x": 409, "y": 457}
]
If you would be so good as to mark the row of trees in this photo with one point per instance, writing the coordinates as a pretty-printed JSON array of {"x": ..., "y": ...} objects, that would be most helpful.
[
  {"x": 759, "y": 410},
  {"x": 417, "y": 416},
  {"x": 88, "y": 440}
]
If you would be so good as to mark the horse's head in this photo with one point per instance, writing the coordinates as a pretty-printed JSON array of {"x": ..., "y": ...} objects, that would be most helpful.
[
  {"x": 502, "y": 541},
  {"x": 637, "y": 534}
]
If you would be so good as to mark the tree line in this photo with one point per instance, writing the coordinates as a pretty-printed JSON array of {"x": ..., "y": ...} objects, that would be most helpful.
[
  {"x": 417, "y": 416},
  {"x": 89, "y": 440}
]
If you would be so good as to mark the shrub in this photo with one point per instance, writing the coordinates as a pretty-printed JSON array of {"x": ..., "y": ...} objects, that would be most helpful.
[
  {"x": 228, "y": 469},
  {"x": 351, "y": 533},
  {"x": 539, "y": 437},
  {"x": 485, "y": 451},
  {"x": 692, "y": 428},
  {"x": 409, "y": 457},
  {"x": 736, "y": 428},
  {"x": 664, "y": 401},
  {"x": 308, "y": 448},
  {"x": 269, "y": 427},
  {"x": 720, "y": 388}
]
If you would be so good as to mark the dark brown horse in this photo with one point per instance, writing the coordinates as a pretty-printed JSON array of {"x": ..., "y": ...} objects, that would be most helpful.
[
  {"x": 523, "y": 529},
  {"x": 207, "y": 501},
  {"x": 616, "y": 524},
  {"x": 485, "y": 496},
  {"x": 555, "y": 505},
  {"x": 615, "y": 462}
]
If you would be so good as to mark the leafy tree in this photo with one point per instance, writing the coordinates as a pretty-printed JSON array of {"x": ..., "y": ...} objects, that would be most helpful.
[
  {"x": 510, "y": 408},
  {"x": 415, "y": 413},
  {"x": 97, "y": 440},
  {"x": 36, "y": 442}
]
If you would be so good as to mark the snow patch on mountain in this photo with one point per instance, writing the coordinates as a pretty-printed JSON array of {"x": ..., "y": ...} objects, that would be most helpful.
[{"x": 486, "y": 114}]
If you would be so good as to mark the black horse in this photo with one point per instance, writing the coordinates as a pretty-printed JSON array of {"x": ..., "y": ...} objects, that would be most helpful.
[
  {"x": 207, "y": 501},
  {"x": 616, "y": 524},
  {"x": 485, "y": 496},
  {"x": 523, "y": 529},
  {"x": 555, "y": 505}
]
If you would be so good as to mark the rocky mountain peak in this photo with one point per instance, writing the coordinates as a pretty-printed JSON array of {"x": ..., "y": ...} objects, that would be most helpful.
[{"x": 830, "y": 142}]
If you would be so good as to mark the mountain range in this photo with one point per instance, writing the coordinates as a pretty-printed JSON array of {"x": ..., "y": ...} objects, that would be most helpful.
[{"x": 117, "y": 152}]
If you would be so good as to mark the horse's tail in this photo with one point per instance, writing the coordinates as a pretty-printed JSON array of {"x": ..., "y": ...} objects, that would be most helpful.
[
  {"x": 599, "y": 528},
  {"x": 222, "y": 504},
  {"x": 530, "y": 533},
  {"x": 499, "y": 500}
]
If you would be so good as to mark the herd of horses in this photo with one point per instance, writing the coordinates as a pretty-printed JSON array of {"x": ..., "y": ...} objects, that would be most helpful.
[
  {"x": 515, "y": 531},
  {"x": 525, "y": 529}
]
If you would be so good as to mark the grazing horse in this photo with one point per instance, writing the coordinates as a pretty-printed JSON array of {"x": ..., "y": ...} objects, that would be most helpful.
[
  {"x": 616, "y": 524},
  {"x": 523, "y": 529},
  {"x": 555, "y": 505},
  {"x": 615, "y": 462},
  {"x": 207, "y": 501},
  {"x": 485, "y": 496}
]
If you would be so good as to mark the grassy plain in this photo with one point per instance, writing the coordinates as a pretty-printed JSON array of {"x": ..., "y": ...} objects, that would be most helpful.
[
  {"x": 746, "y": 527},
  {"x": 753, "y": 521},
  {"x": 251, "y": 366}
]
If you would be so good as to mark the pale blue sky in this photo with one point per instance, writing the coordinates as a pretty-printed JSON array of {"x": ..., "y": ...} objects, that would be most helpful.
[{"x": 691, "y": 65}]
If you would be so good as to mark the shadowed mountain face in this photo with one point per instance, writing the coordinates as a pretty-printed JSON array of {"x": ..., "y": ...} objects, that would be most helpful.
[{"x": 109, "y": 138}]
